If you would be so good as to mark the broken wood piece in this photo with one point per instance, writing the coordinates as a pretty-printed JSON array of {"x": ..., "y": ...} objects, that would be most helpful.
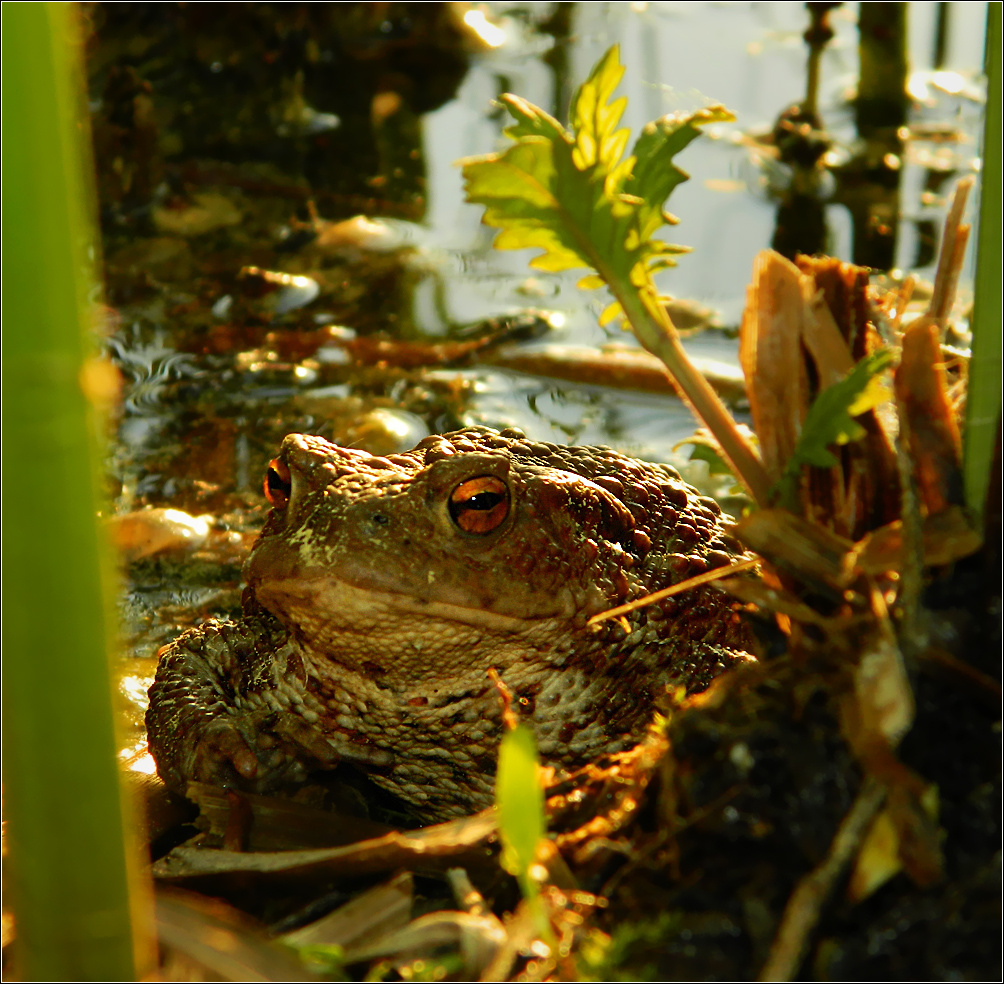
[
  {"x": 619, "y": 366},
  {"x": 771, "y": 358},
  {"x": 379, "y": 910},
  {"x": 435, "y": 848},
  {"x": 804, "y": 328},
  {"x": 950, "y": 256}
]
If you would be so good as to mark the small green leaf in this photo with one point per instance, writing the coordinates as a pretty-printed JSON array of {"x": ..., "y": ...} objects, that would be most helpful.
[
  {"x": 519, "y": 797},
  {"x": 708, "y": 451},
  {"x": 830, "y": 421},
  {"x": 875, "y": 393}
]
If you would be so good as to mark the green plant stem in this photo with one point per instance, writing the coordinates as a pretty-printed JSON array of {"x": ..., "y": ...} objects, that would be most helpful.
[
  {"x": 71, "y": 867},
  {"x": 656, "y": 332},
  {"x": 983, "y": 402}
]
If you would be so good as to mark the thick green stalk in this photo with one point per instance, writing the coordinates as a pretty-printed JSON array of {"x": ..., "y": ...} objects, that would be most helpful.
[
  {"x": 69, "y": 870},
  {"x": 983, "y": 405}
]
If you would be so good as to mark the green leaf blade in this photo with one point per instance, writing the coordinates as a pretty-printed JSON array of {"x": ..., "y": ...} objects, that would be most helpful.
[
  {"x": 519, "y": 798},
  {"x": 830, "y": 421}
]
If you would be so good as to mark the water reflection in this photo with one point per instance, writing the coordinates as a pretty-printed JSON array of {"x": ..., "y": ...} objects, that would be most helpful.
[{"x": 750, "y": 57}]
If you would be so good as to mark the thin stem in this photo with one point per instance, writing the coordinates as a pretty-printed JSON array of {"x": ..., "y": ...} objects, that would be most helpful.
[{"x": 656, "y": 332}]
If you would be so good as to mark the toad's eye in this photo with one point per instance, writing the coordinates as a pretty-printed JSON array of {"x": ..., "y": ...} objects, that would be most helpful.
[
  {"x": 480, "y": 505},
  {"x": 278, "y": 484}
]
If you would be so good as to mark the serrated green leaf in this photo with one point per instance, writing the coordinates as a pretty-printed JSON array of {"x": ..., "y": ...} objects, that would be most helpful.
[
  {"x": 830, "y": 421},
  {"x": 604, "y": 214},
  {"x": 571, "y": 195},
  {"x": 519, "y": 798}
]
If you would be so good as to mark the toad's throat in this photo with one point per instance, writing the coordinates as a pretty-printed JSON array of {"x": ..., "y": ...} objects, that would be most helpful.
[{"x": 405, "y": 644}]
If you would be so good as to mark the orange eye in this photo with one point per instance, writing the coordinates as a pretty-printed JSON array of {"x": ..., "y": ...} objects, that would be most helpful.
[
  {"x": 278, "y": 484},
  {"x": 480, "y": 505}
]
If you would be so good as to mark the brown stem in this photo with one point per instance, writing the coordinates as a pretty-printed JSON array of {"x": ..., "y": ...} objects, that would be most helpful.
[{"x": 806, "y": 902}]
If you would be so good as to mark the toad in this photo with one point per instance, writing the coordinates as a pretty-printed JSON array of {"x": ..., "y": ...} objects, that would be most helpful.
[{"x": 383, "y": 590}]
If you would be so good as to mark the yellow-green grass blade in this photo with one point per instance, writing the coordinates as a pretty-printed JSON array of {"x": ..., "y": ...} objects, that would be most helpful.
[
  {"x": 983, "y": 402},
  {"x": 70, "y": 866}
]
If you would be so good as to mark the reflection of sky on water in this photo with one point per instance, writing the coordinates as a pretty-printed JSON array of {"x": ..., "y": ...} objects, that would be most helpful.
[{"x": 749, "y": 56}]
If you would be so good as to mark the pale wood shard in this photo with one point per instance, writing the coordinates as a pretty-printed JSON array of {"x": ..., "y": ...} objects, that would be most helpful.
[
  {"x": 770, "y": 355},
  {"x": 951, "y": 255},
  {"x": 928, "y": 412},
  {"x": 929, "y": 422},
  {"x": 821, "y": 336}
]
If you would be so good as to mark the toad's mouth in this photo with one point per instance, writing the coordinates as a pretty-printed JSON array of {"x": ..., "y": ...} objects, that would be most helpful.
[
  {"x": 353, "y": 608},
  {"x": 355, "y": 591}
]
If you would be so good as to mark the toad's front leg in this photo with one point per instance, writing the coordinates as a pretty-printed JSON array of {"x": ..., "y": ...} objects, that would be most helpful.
[{"x": 230, "y": 706}]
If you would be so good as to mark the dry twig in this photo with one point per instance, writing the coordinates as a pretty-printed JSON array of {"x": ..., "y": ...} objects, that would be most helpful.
[
  {"x": 673, "y": 589},
  {"x": 806, "y": 902},
  {"x": 953, "y": 248}
]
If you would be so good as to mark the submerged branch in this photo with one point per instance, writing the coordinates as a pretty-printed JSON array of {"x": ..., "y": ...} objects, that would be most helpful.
[{"x": 807, "y": 900}]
